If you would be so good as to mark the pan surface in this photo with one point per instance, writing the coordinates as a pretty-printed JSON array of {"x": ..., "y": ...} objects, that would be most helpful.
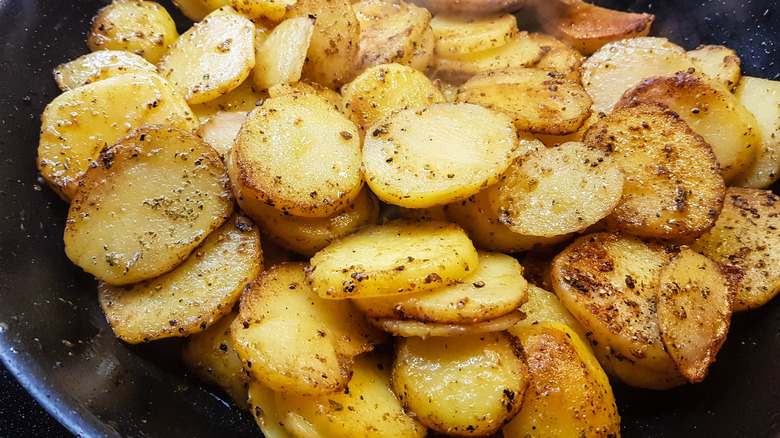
[{"x": 56, "y": 342}]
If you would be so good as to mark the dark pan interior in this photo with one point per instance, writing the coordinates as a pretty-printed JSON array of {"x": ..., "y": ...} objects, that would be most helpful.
[{"x": 55, "y": 341}]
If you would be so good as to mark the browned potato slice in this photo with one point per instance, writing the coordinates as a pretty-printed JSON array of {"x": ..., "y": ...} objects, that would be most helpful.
[
  {"x": 141, "y": 27},
  {"x": 694, "y": 312},
  {"x": 458, "y": 34},
  {"x": 719, "y": 63},
  {"x": 762, "y": 98},
  {"x": 558, "y": 190},
  {"x": 79, "y": 123},
  {"x": 464, "y": 386},
  {"x": 99, "y": 65},
  {"x": 609, "y": 282},
  {"x": 559, "y": 57},
  {"x": 150, "y": 200},
  {"x": 197, "y": 10},
  {"x": 746, "y": 239},
  {"x": 538, "y": 101},
  {"x": 298, "y": 154},
  {"x": 445, "y": 152},
  {"x": 244, "y": 98},
  {"x": 400, "y": 256},
  {"x": 473, "y": 7},
  {"x": 673, "y": 187},
  {"x": 716, "y": 115},
  {"x": 221, "y": 130},
  {"x": 420, "y": 329},
  {"x": 544, "y": 307},
  {"x": 212, "y": 57},
  {"x": 294, "y": 341},
  {"x": 280, "y": 58},
  {"x": 273, "y": 10},
  {"x": 263, "y": 408}
]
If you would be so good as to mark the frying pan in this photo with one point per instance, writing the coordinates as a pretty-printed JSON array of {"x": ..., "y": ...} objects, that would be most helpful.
[{"x": 55, "y": 340}]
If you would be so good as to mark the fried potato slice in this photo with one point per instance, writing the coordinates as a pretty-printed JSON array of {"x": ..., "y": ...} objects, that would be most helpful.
[
  {"x": 273, "y": 10},
  {"x": 716, "y": 115},
  {"x": 762, "y": 98},
  {"x": 245, "y": 98},
  {"x": 102, "y": 64},
  {"x": 149, "y": 201},
  {"x": 419, "y": 329},
  {"x": 197, "y": 10},
  {"x": 559, "y": 57},
  {"x": 331, "y": 96},
  {"x": 621, "y": 65},
  {"x": 746, "y": 239},
  {"x": 538, "y": 101},
  {"x": 212, "y": 57},
  {"x": 79, "y": 123},
  {"x": 457, "y": 34},
  {"x": 543, "y": 307},
  {"x": 464, "y": 386},
  {"x": 673, "y": 187},
  {"x": 367, "y": 408},
  {"x": 141, "y": 27},
  {"x": 397, "y": 257},
  {"x": 280, "y": 58},
  {"x": 719, "y": 63},
  {"x": 473, "y": 7},
  {"x": 291, "y": 340},
  {"x": 557, "y": 191},
  {"x": 495, "y": 288},
  {"x": 694, "y": 312},
  {"x": 442, "y": 153},
  {"x": 568, "y": 393},
  {"x": 220, "y": 131},
  {"x": 297, "y": 153},
  {"x": 263, "y": 408}
]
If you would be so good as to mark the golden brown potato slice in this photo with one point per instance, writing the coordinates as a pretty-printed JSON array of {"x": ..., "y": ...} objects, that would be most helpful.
[
  {"x": 673, "y": 187},
  {"x": 193, "y": 295},
  {"x": 400, "y": 256},
  {"x": 457, "y": 34},
  {"x": 557, "y": 191},
  {"x": 220, "y": 131},
  {"x": 79, "y": 123},
  {"x": 719, "y": 63},
  {"x": 280, "y": 58},
  {"x": 291, "y": 340},
  {"x": 473, "y": 7},
  {"x": 212, "y": 57},
  {"x": 538, "y": 101},
  {"x": 99, "y": 65},
  {"x": 141, "y": 27},
  {"x": 297, "y": 153},
  {"x": 568, "y": 394},
  {"x": 150, "y": 200},
  {"x": 244, "y": 98},
  {"x": 544, "y": 307},
  {"x": 263, "y": 408},
  {"x": 272, "y": 10},
  {"x": 559, "y": 57},
  {"x": 716, "y": 115},
  {"x": 419, "y": 329},
  {"x": 762, "y": 98},
  {"x": 197, "y": 10},
  {"x": 746, "y": 238},
  {"x": 463, "y": 386},
  {"x": 445, "y": 152}
]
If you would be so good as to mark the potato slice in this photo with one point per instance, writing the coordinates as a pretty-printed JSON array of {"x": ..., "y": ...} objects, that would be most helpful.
[
  {"x": 298, "y": 154},
  {"x": 762, "y": 98},
  {"x": 559, "y": 58},
  {"x": 673, "y": 187},
  {"x": 557, "y": 191},
  {"x": 442, "y": 153},
  {"x": 367, "y": 408},
  {"x": 544, "y": 307},
  {"x": 694, "y": 312},
  {"x": 458, "y": 34},
  {"x": 281, "y": 56},
  {"x": 568, "y": 394},
  {"x": 273, "y": 10},
  {"x": 79, "y": 123},
  {"x": 464, "y": 386},
  {"x": 197, "y": 10},
  {"x": 494, "y": 289},
  {"x": 221, "y": 130},
  {"x": 244, "y": 98},
  {"x": 141, "y": 27},
  {"x": 473, "y": 7},
  {"x": 621, "y": 65},
  {"x": 420, "y": 329},
  {"x": 746, "y": 239},
  {"x": 716, "y": 115},
  {"x": 149, "y": 201},
  {"x": 102, "y": 64},
  {"x": 538, "y": 101},
  {"x": 291, "y": 340},
  {"x": 263, "y": 408},
  {"x": 400, "y": 256},
  {"x": 330, "y": 96},
  {"x": 719, "y": 63},
  {"x": 212, "y": 57}
]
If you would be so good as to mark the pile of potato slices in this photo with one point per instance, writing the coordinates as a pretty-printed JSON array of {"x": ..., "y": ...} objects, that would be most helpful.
[{"x": 467, "y": 228}]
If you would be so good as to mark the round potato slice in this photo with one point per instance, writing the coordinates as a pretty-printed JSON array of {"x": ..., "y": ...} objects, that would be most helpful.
[
  {"x": 459, "y": 34},
  {"x": 438, "y": 154},
  {"x": 102, "y": 64},
  {"x": 419, "y": 329}
]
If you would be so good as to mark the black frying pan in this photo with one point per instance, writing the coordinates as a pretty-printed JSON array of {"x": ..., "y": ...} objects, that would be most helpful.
[{"x": 55, "y": 341}]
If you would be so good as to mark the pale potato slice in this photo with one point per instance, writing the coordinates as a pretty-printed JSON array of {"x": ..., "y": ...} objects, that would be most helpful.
[
  {"x": 621, "y": 65},
  {"x": 719, "y": 63},
  {"x": 543, "y": 307},
  {"x": 263, "y": 408},
  {"x": 400, "y": 256},
  {"x": 99, "y": 65},
  {"x": 331, "y": 96},
  {"x": 538, "y": 101},
  {"x": 367, "y": 408},
  {"x": 244, "y": 98},
  {"x": 420, "y": 329},
  {"x": 762, "y": 98},
  {"x": 464, "y": 386},
  {"x": 746, "y": 239},
  {"x": 150, "y": 200},
  {"x": 297, "y": 153},
  {"x": 473, "y": 7},
  {"x": 458, "y": 34},
  {"x": 141, "y": 27},
  {"x": 79, "y": 123},
  {"x": 393, "y": 31},
  {"x": 559, "y": 57},
  {"x": 442, "y": 153},
  {"x": 220, "y": 131},
  {"x": 291, "y": 340},
  {"x": 716, "y": 115},
  {"x": 197, "y": 10},
  {"x": 494, "y": 289},
  {"x": 610, "y": 283},
  {"x": 212, "y": 57},
  {"x": 273, "y": 10},
  {"x": 694, "y": 312},
  {"x": 281, "y": 56},
  {"x": 569, "y": 394},
  {"x": 673, "y": 187},
  {"x": 558, "y": 190}
]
